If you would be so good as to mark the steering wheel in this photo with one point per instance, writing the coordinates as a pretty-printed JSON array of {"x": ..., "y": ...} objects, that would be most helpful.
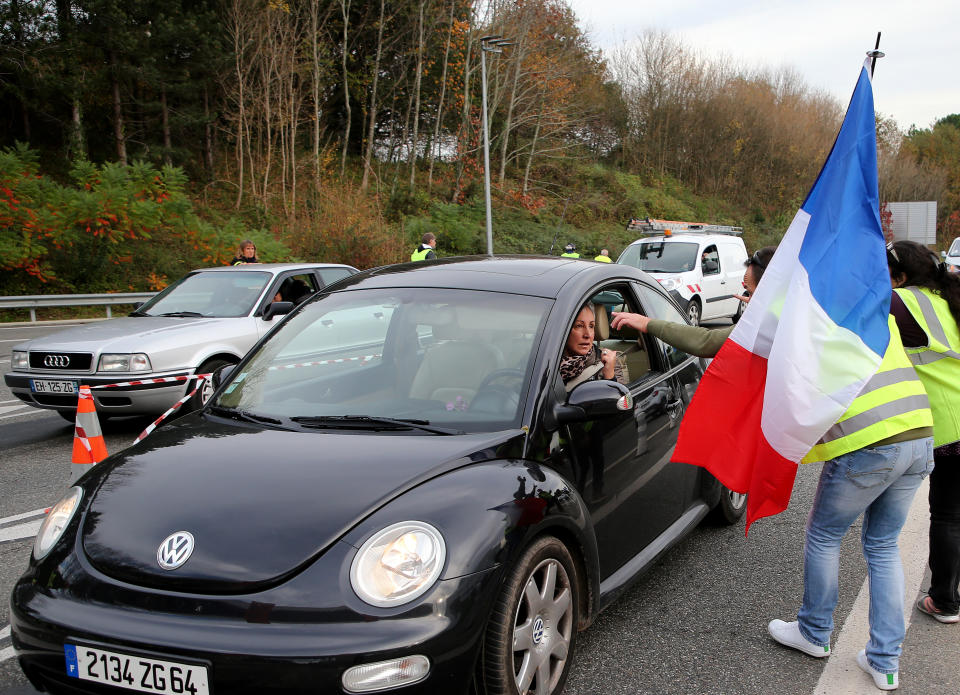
[
  {"x": 499, "y": 374},
  {"x": 499, "y": 399}
]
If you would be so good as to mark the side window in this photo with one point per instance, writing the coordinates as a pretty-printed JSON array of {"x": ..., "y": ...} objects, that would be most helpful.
[
  {"x": 331, "y": 275},
  {"x": 296, "y": 288},
  {"x": 633, "y": 357},
  {"x": 710, "y": 260},
  {"x": 659, "y": 307}
]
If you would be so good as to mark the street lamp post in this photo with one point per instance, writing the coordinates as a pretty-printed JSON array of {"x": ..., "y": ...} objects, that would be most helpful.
[{"x": 488, "y": 44}]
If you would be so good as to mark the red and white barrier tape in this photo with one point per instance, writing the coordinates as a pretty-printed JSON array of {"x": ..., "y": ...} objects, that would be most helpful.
[
  {"x": 153, "y": 425},
  {"x": 80, "y": 433},
  {"x": 158, "y": 380},
  {"x": 339, "y": 360}
]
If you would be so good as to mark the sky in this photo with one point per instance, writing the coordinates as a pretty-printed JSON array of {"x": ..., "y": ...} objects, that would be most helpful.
[{"x": 824, "y": 41}]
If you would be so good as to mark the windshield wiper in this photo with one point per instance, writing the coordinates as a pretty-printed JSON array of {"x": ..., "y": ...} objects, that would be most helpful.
[
  {"x": 365, "y": 422},
  {"x": 245, "y": 415},
  {"x": 182, "y": 314}
]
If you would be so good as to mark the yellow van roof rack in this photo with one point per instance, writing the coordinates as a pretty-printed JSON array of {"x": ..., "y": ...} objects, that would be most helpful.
[{"x": 646, "y": 225}]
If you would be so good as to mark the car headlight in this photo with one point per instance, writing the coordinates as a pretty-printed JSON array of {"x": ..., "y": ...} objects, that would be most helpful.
[
  {"x": 130, "y": 362},
  {"x": 671, "y": 283},
  {"x": 57, "y": 519},
  {"x": 398, "y": 564},
  {"x": 20, "y": 360}
]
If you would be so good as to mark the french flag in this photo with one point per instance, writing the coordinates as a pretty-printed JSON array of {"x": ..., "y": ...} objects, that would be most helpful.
[{"x": 812, "y": 335}]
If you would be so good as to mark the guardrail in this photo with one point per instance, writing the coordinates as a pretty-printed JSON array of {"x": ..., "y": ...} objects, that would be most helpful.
[{"x": 34, "y": 302}]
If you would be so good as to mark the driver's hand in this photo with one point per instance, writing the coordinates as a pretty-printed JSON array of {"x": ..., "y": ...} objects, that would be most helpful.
[{"x": 609, "y": 359}]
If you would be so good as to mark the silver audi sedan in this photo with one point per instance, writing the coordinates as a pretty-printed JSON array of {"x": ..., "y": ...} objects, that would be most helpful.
[{"x": 141, "y": 364}]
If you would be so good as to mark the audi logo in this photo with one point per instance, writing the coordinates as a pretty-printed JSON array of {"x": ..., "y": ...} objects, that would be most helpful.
[
  {"x": 175, "y": 550},
  {"x": 56, "y": 361}
]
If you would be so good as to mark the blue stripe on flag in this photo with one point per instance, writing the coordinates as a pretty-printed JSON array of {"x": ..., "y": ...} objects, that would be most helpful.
[{"x": 843, "y": 249}]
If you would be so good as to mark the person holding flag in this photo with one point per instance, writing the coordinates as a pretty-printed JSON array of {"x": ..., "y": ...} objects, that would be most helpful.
[{"x": 815, "y": 371}]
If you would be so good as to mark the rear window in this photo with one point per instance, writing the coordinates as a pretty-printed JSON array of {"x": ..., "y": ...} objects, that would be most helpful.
[{"x": 661, "y": 256}]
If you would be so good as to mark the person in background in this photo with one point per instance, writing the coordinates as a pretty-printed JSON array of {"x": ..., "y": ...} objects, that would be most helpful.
[
  {"x": 926, "y": 305},
  {"x": 570, "y": 251},
  {"x": 426, "y": 250},
  {"x": 246, "y": 253},
  {"x": 695, "y": 340},
  {"x": 875, "y": 458},
  {"x": 604, "y": 256}
]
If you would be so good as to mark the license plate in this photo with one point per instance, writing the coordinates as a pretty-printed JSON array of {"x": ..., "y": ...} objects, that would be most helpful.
[
  {"x": 135, "y": 672},
  {"x": 44, "y": 386}
]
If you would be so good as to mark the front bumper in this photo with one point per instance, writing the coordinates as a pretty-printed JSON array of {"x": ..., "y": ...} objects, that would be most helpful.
[
  {"x": 143, "y": 399},
  {"x": 264, "y": 643}
]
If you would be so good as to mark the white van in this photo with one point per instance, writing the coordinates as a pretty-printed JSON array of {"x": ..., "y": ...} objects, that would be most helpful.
[
  {"x": 701, "y": 270},
  {"x": 953, "y": 256}
]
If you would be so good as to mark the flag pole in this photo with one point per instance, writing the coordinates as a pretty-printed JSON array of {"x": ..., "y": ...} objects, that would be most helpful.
[{"x": 874, "y": 54}]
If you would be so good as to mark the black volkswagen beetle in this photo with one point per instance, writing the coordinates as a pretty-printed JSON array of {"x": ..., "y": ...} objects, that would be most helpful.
[{"x": 392, "y": 491}]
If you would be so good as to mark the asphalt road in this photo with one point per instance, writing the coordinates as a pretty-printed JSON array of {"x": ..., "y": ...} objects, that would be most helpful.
[{"x": 696, "y": 623}]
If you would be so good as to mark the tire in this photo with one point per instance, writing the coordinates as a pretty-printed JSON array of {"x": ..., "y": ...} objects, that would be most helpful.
[
  {"x": 203, "y": 395},
  {"x": 731, "y": 507},
  {"x": 736, "y": 316},
  {"x": 693, "y": 312},
  {"x": 529, "y": 643}
]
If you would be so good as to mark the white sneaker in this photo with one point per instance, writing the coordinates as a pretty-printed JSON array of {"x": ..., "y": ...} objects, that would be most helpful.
[
  {"x": 884, "y": 681},
  {"x": 788, "y": 634}
]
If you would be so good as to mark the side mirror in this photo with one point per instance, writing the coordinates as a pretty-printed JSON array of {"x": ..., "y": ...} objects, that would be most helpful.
[
  {"x": 276, "y": 309},
  {"x": 222, "y": 374},
  {"x": 593, "y": 399}
]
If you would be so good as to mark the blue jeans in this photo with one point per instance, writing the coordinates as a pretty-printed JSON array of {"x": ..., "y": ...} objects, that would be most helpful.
[{"x": 878, "y": 482}]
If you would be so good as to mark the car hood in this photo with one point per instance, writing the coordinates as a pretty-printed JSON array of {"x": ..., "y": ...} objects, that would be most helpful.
[
  {"x": 129, "y": 334},
  {"x": 261, "y": 504}
]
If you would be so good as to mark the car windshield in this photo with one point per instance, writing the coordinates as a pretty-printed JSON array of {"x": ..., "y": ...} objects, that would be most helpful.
[
  {"x": 661, "y": 257},
  {"x": 954, "y": 248},
  {"x": 208, "y": 293},
  {"x": 419, "y": 360}
]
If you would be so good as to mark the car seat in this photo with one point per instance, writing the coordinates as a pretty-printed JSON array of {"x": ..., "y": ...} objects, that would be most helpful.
[{"x": 452, "y": 370}]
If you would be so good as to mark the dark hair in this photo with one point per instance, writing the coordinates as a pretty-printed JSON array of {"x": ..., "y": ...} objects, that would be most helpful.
[
  {"x": 923, "y": 268},
  {"x": 760, "y": 260},
  {"x": 427, "y": 237}
]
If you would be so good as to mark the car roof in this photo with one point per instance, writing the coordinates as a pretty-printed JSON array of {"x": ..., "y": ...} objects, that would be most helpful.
[
  {"x": 689, "y": 237},
  {"x": 272, "y": 267},
  {"x": 543, "y": 276}
]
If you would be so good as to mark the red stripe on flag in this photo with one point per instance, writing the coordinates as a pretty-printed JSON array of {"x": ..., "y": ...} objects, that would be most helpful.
[{"x": 730, "y": 399}]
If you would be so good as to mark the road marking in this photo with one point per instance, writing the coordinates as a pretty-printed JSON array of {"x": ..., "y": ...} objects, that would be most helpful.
[
  {"x": 20, "y": 531},
  {"x": 11, "y": 408},
  {"x": 841, "y": 676},
  {"x": 25, "y": 515},
  {"x": 7, "y": 652},
  {"x": 30, "y": 411},
  {"x": 12, "y": 340}
]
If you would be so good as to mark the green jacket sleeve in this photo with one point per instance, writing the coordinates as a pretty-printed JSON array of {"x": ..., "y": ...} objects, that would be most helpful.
[{"x": 694, "y": 340}]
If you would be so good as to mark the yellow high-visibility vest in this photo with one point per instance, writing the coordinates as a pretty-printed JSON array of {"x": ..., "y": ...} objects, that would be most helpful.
[
  {"x": 420, "y": 254},
  {"x": 603, "y": 259},
  {"x": 891, "y": 402},
  {"x": 937, "y": 364},
  {"x": 573, "y": 254}
]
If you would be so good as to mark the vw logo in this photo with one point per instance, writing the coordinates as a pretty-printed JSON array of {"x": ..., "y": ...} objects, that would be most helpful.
[
  {"x": 56, "y": 361},
  {"x": 175, "y": 550},
  {"x": 538, "y": 630}
]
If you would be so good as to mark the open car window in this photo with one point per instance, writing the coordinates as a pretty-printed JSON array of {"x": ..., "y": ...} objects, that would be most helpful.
[
  {"x": 659, "y": 307},
  {"x": 634, "y": 357}
]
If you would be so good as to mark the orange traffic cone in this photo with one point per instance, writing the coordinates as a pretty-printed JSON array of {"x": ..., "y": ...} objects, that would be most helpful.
[{"x": 88, "y": 446}]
